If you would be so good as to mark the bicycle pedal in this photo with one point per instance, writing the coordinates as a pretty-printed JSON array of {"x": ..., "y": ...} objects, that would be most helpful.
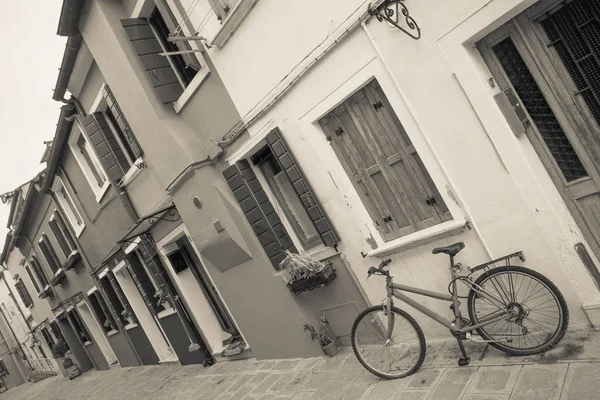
[{"x": 464, "y": 361}]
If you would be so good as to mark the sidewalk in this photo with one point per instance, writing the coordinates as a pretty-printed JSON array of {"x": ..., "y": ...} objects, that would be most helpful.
[{"x": 569, "y": 372}]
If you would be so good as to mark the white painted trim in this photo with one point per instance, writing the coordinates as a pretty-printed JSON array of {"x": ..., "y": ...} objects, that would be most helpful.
[
  {"x": 57, "y": 183},
  {"x": 134, "y": 245},
  {"x": 103, "y": 273},
  {"x": 97, "y": 332},
  {"x": 58, "y": 271},
  {"x": 132, "y": 173},
  {"x": 71, "y": 307},
  {"x": 419, "y": 237},
  {"x": 92, "y": 290},
  {"x": 137, "y": 10},
  {"x": 166, "y": 313},
  {"x": 251, "y": 145},
  {"x": 233, "y": 20},
  {"x": 169, "y": 359},
  {"x": 119, "y": 267},
  {"x": 97, "y": 100},
  {"x": 130, "y": 326},
  {"x": 189, "y": 91},
  {"x": 112, "y": 333}
]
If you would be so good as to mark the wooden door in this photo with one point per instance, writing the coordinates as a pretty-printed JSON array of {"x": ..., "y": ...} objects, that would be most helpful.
[
  {"x": 549, "y": 57},
  {"x": 383, "y": 164}
]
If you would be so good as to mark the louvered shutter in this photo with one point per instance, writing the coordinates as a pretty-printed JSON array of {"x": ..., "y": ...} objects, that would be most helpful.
[
  {"x": 23, "y": 293},
  {"x": 63, "y": 228},
  {"x": 121, "y": 296},
  {"x": 64, "y": 246},
  {"x": 315, "y": 210},
  {"x": 143, "y": 283},
  {"x": 49, "y": 254},
  {"x": 34, "y": 282},
  {"x": 39, "y": 272},
  {"x": 121, "y": 121},
  {"x": 105, "y": 145},
  {"x": 149, "y": 255},
  {"x": 259, "y": 212},
  {"x": 157, "y": 67},
  {"x": 106, "y": 308}
]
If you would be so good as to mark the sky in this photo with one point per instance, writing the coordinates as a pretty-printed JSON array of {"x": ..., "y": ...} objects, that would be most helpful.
[{"x": 29, "y": 67}]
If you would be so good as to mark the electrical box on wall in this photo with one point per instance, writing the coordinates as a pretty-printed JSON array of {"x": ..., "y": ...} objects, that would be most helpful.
[{"x": 513, "y": 111}]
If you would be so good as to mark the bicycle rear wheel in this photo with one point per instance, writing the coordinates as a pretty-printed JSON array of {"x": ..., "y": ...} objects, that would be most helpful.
[
  {"x": 398, "y": 357},
  {"x": 540, "y": 314}
]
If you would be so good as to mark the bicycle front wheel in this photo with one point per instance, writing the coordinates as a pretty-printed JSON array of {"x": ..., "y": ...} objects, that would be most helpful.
[
  {"x": 397, "y": 357},
  {"x": 539, "y": 314}
]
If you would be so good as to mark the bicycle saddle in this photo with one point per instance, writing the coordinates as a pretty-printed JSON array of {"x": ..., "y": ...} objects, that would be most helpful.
[{"x": 451, "y": 250}]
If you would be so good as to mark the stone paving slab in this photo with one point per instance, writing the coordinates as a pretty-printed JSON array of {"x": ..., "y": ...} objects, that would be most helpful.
[{"x": 570, "y": 372}]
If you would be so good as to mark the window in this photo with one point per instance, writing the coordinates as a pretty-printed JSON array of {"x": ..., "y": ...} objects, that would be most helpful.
[
  {"x": 117, "y": 299},
  {"x": 3, "y": 369},
  {"x": 102, "y": 313},
  {"x": 68, "y": 206},
  {"x": 48, "y": 337},
  {"x": 49, "y": 254},
  {"x": 383, "y": 164},
  {"x": 39, "y": 273},
  {"x": 62, "y": 234},
  {"x": 34, "y": 281},
  {"x": 79, "y": 327},
  {"x": 222, "y": 8},
  {"x": 56, "y": 331},
  {"x": 185, "y": 69},
  {"x": 287, "y": 198},
  {"x": 23, "y": 293},
  {"x": 88, "y": 161},
  {"x": 145, "y": 282}
]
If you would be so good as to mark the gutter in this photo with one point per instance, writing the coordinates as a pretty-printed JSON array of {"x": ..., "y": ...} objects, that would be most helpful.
[
  {"x": 63, "y": 128},
  {"x": 7, "y": 245},
  {"x": 69, "y": 17},
  {"x": 13, "y": 207},
  {"x": 66, "y": 67}
]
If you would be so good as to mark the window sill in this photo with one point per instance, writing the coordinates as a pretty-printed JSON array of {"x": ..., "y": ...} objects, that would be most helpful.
[
  {"x": 72, "y": 260},
  {"x": 88, "y": 343},
  {"x": 322, "y": 253},
  {"x": 168, "y": 360},
  {"x": 425, "y": 236},
  {"x": 59, "y": 276},
  {"x": 232, "y": 22},
  {"x": 134, "y": 171},
  {"x": 111, "y": 333},
  {"x": 102, "y": 191},
  {"x": 166, "y": 313},
  {"x": 191, "y": 89},
  {"x": 130, "y": 326}
]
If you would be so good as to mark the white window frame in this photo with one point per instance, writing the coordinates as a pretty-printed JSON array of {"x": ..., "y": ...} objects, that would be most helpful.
[
  {"x": 70, "y": 213},
  {"x": 76, "y": 133},
  {"x": 141, "y": 8},
  {"x": 53, "y": 217},
  {"x": 34, "y": 281},
  {"x": 59, "y": 269}
]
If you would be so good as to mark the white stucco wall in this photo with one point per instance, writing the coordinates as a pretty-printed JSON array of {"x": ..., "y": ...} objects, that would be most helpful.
[{"x": 506, "y": 194}]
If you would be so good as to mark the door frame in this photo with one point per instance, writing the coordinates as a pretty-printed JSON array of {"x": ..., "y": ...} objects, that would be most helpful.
[
  {"x": 554, "y": 83},
  {"x": 163, "y": 249},
  {"x": 98, "y": 335}
]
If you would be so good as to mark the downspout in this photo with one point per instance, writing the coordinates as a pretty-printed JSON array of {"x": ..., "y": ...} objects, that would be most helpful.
[{"x": 461, "y": 203}]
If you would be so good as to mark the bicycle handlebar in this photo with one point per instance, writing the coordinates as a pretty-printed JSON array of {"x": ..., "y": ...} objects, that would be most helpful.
[{"x": 379, "y": 270}]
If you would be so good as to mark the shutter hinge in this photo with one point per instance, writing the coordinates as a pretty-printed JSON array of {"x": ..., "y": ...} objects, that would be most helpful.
[
  {"x": 339, "y": 131},
  {"x": 377, "y": 105},
  {"x": 430, "y": 201},
  {"x": 387, "y": 219},
  {"x": 328, "y": 138}
]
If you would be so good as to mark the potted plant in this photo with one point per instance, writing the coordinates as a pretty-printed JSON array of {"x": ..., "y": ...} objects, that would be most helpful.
[
  {"x": 60, "y": 350},
  {"x": 127, "y": 317},
  {"x": 304, "y": 274},
  {"x": 327, "y": 343}
]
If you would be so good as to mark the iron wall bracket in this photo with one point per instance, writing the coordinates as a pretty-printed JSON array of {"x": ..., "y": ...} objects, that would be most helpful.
[{"x": 393, "y": 11}]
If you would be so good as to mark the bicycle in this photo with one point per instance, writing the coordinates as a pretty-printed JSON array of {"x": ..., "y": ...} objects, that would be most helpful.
[{"x": 515, "y": 309}]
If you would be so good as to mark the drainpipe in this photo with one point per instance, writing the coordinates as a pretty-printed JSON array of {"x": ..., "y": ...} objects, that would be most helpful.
[{"x": 431, "y": 148}]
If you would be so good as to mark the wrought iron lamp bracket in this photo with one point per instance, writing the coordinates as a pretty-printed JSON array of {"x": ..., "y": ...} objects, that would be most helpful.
[
  {"x": 172, "y": 215},
  {"x": 392, "y": 11}
]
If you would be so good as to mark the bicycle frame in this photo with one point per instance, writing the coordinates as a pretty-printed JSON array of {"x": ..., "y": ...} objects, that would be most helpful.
[{"x": 395, "y": 289}]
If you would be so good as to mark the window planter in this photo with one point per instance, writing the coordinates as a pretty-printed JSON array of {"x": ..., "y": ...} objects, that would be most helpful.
[
  {"x": 319, "y": 279},
  {"x": 46, "y": 292},
  {"x": 72, "y": 261},
  {"x": 59, "y": 276}
]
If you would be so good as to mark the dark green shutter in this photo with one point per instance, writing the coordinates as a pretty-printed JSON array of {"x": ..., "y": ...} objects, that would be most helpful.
[
  {"x": 105, "y": 145},
  {"x": 315, "y": 210},
  {"x": 121, "y": 121},
  {"x": 121, "y": 297},
  {"x": 23, "y": 293},
  {"x": 259, "y": 211},
  {"x": 105, "y": 309},
  {"x": 60, "y": 238},
  {"x": 157, "y": 67},
  {"x": 142, "y": 281}
]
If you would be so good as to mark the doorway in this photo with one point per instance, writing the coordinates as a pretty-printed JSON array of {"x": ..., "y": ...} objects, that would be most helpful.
[
  {"x": 198, "y": 291},
  {"x": 547, "y": 60}
]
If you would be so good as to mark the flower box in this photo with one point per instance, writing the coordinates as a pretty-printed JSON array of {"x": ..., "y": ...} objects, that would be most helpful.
[
  {"x": 72, "y": 261},
  {"x": 59, "y": 276},
  {"x": 316, "y": 280}
]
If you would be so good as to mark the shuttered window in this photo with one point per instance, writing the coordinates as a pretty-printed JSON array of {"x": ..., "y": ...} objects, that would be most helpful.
[
  {"x": 79, "y": 326},
  {"x": 143, "y": 281},
  {"x": 383, "y": 164},
  {"x": 33, "y": 280},
  {"x": 62, "y": 234},
  {"x": 39, "y": 272},
  {"x": 49, "y": 254},
  {"x": 121, "y": 127},
  {"x": 259, "y": 212},
  {"x": 116, "y": 300},
  {"x": 68, "y": 206},
  {"x": 102, "y": 312},
  {"x": 23, "y": 293}
]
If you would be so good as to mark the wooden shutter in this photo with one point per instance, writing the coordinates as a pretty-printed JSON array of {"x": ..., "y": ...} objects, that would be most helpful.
[
  {"x": 222, "y": 8},
  {"x": 315, "y": 210},
  {"x": 49, "y": 254},
  {"x": 23, "y": 293},
  {"x": 383, "y": 164},
  {"x": 120, "y": 296},
  {"x": 157, "y": 67},
  {"x": 36, "y": 286},
  {"x": 121, "y": 121},
  {"x": 105, "y": 145},
  {"x": 150, "y": 257},
  {"x": 259, "y": 211},
  {"x": 39, "y": 272},
  {"x": 62, "y": 242},
  {"x": 106, "y": 309},
  {"x": 142, "y": 281},
  {"x": 65, "y": 231}
]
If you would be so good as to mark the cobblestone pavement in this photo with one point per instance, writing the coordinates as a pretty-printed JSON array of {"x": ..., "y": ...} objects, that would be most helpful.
[{"x": 570, "y": 372}]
